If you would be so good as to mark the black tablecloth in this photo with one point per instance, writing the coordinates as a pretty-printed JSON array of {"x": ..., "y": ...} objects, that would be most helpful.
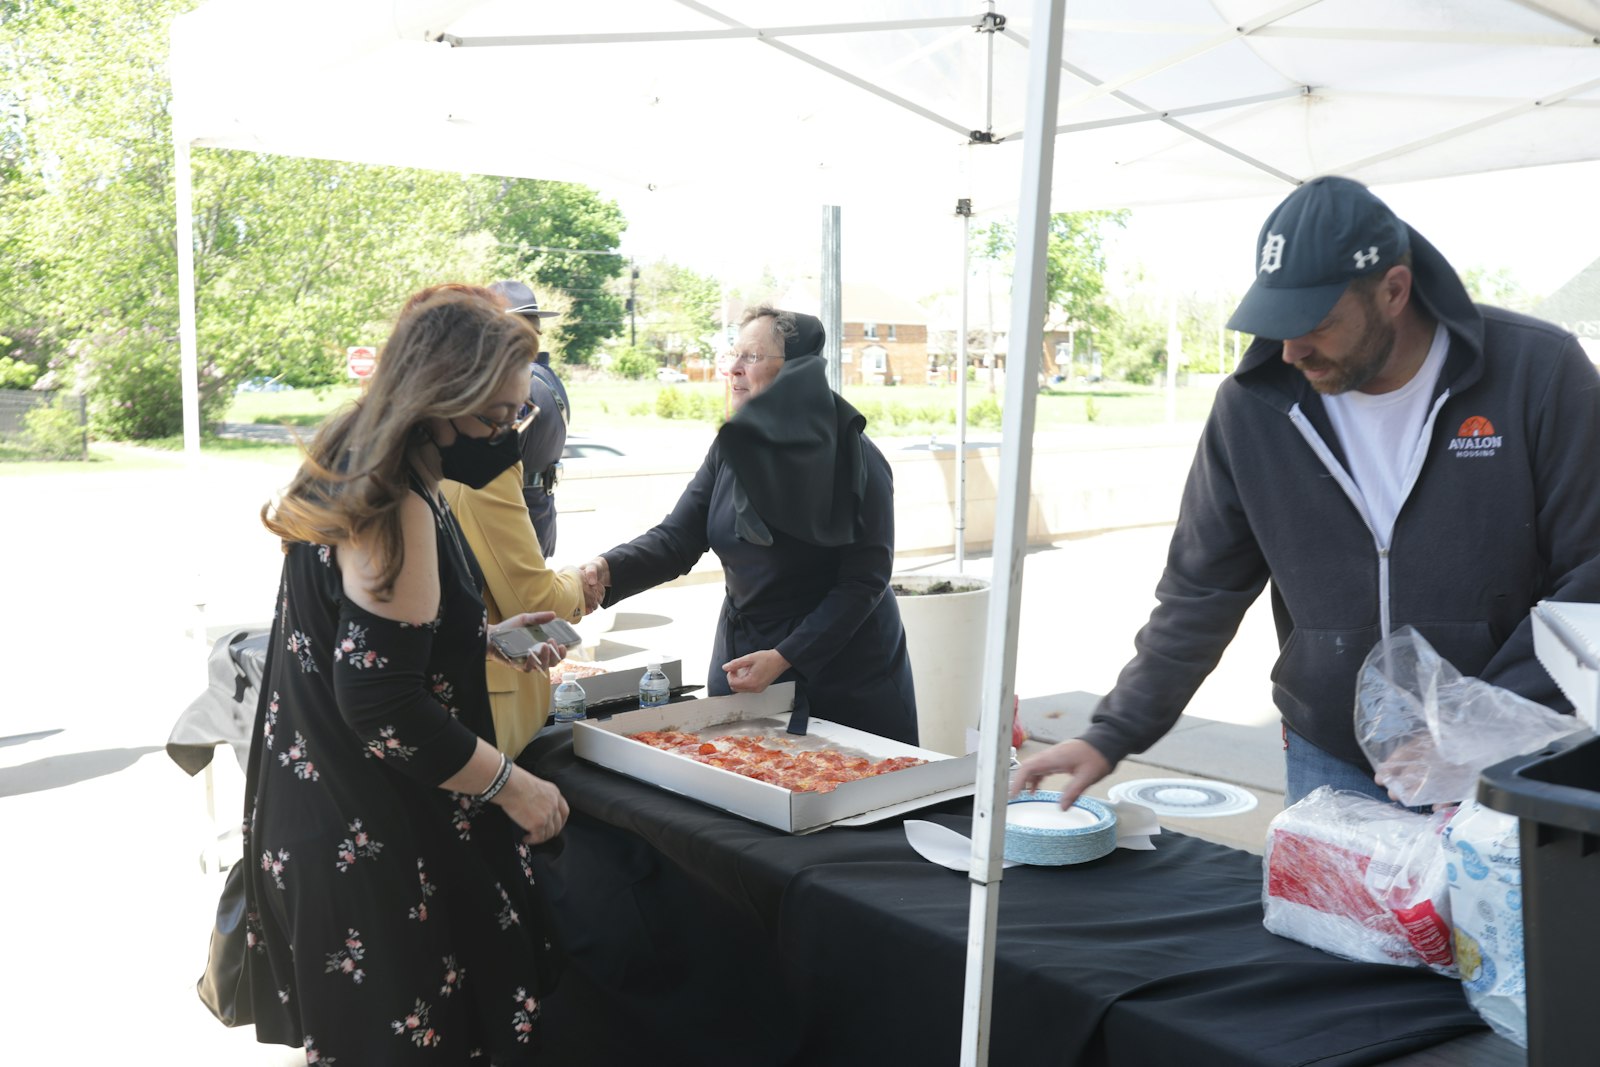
[{"x": 700, "y": 937}]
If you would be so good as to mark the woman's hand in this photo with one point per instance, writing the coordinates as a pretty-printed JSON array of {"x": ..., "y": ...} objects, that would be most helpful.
[
  {"x": 542, "y": 658},
  {"x": 533, "y": 804},
  {"x": 753, "y": 673}
]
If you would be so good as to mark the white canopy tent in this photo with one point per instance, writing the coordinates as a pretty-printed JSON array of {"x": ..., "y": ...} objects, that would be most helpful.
[
  {"x": 868, "y": 100},
  {"x": 903, "y": 105}
]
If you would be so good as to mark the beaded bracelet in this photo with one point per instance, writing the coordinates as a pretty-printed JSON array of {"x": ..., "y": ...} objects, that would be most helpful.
[{"x": 499, "y": 782}]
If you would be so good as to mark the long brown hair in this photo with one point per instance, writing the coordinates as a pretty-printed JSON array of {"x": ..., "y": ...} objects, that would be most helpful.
[{"x": 448, "y": 355}]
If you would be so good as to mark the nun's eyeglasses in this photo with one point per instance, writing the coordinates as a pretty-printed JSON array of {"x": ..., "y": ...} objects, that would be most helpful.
[{"x": 748, "y": 359}]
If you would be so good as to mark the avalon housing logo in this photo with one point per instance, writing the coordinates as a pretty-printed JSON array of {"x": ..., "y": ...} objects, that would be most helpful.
[{"x": 1476, "y": 438}]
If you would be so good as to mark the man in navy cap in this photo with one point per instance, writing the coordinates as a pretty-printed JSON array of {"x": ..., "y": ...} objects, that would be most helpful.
[
  {"x": 1386, "y": 454},
  {"x": 544, "y": 439}
]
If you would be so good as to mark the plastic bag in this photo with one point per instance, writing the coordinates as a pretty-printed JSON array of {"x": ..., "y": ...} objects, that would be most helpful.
[
  {"x": 1361, "y": 879},
  {"x": 1429, "y": 732},
  {"x": 1484, "y": 869}
]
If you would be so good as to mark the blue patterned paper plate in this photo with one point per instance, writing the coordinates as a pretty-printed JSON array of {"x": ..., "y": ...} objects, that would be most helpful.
[{"x": 1038, "y": 832}]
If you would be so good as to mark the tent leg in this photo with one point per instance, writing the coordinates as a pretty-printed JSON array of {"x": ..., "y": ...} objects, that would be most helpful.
[
  {"x": 964, "y": 209},
  {"x": 188, "y": 351},
  {"x": 832, "y": 310},
  {"x": 1011, "y": 523}
]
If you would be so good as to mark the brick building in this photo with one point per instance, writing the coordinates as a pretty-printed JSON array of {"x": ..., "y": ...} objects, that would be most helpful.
[{"x": 885, "y": 336}]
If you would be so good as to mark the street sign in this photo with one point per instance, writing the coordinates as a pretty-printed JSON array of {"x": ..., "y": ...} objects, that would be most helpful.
[{"x": 360, "y": 361}]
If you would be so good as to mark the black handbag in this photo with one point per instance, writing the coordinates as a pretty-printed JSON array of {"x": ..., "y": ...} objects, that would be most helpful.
[{"x": 225, "y": 986}]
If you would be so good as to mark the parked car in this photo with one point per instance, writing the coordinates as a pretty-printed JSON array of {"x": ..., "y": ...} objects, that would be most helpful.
[
  {"x": 583, "y": 448},
  {"x": 670, "y": 375},
  {"x": 263, "y": 385}
]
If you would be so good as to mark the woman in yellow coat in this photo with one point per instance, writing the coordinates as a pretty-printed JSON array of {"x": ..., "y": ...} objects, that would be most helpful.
[{"x": 495, "y": 522}]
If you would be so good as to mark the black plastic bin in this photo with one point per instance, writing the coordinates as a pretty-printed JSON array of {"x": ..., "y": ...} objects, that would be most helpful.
[{"x": 1555, "y": 792}]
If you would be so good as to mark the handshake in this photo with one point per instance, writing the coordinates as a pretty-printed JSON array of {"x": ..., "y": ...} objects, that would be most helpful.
[{"x": 596, "y": 575}]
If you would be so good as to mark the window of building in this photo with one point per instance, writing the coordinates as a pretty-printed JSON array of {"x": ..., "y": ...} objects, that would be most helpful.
[
  {"x": 870, "y": 330},
  {"x": 891, "y": 331}
]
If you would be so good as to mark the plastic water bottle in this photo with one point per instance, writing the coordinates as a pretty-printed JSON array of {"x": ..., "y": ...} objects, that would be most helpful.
[
  {"x": 654, "y": 689},
  {"x": 569, "y": 698}
]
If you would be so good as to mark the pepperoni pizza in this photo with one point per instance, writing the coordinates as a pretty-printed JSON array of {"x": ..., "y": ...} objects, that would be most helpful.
[{"x": 808, "y": 771}]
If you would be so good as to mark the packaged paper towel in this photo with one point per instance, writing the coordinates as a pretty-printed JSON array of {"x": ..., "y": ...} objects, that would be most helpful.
[
  {"x": 1483, "y": 866},
  {"x": 1360, "y": 879}
]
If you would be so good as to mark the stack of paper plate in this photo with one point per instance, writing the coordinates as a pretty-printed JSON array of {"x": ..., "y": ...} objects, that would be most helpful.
[{"x": 1040, "y": 833}]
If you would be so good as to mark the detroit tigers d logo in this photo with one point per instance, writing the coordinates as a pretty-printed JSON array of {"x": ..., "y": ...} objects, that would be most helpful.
[{"x": 1271, "y": 254}]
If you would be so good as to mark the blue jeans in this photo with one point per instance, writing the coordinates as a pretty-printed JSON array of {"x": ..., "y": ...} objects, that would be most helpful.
[{"x": 1306, "y": 767}]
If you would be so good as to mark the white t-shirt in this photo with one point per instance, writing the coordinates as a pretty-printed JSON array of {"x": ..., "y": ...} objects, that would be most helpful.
[{"x": 1382, "y": 432}]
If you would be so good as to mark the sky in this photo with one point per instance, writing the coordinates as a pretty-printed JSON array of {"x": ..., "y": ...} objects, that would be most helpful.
[{"x": 1540, "y": 224}]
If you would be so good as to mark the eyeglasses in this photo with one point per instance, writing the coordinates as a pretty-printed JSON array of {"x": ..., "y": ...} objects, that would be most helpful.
[
  {"x": 748, "y": 359},
  {"x": 499, "y": 430}
]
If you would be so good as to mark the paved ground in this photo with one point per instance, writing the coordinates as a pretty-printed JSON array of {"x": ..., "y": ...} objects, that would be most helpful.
[{"x": 104, "y": 901}]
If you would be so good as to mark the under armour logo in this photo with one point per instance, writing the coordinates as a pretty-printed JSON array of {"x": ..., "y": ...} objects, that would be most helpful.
[
  {"x": 1271, "y": 253},
  {"x": 1367, "y": 259}
]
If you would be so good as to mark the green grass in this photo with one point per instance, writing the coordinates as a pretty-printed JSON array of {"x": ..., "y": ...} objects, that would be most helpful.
[
  {"x": 297, "y": 407},
  {"x": 102, "y": 459},
  {"x": 902, "y": 411},
  {"x": 601, "y": 406},
  {"x": 211, "y": 444}
]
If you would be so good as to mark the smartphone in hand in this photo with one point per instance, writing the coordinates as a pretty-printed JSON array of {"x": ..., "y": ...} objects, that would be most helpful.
[{"x": 520, "y": 642}]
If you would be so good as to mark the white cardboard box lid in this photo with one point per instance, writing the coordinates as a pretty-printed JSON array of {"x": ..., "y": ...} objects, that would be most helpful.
[
  {"x": 607, "y": 744},
  {"x": 1566, "y": 638}
]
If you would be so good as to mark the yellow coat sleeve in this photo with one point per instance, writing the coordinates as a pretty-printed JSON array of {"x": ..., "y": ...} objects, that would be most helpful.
[{"x": 495, "y": 521}]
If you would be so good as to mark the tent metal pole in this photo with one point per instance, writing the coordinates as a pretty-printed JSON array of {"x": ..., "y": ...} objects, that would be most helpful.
[
  {"x": 988, "y": 95},
  {"x": 832, "y": 310},
  {"x": 735, "y": 31},
  {"x": 837, "y": 72},
  {"x": 1546, "y": 100},
  {"x": 964, "y": 209},
  {"x": 1011, "y": 528},
  {"x": 188, "y": 347}
]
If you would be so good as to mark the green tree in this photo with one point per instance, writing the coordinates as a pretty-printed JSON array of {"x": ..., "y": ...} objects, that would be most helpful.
[
  {"x": 295, "y": 259},
  {"x": 1498, "y": 287},
  {"x": 284, "y": 291},
  {"x": 1075, "y": 263},
  {"x": 97, "y": 235},
  {"x": 678, "y": 308},
  {"x": 633, "y": 363},
  {"x": 1134, "y": 347},
  {"x": 560, "y": 236}
]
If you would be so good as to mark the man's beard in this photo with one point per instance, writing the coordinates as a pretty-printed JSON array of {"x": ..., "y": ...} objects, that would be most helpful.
[{"x": 1363, "y": 361}]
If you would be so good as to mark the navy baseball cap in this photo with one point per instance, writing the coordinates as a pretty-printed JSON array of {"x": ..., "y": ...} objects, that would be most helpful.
[
  {"x": 1323, "y": 236},
  {"x": 520, "y": 300}
]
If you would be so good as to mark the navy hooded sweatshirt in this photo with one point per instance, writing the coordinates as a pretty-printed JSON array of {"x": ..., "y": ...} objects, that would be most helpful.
[{"x": 1504, "y": 511}]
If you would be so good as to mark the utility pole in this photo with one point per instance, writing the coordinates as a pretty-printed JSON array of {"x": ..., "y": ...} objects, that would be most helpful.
[{"x": 633, "y": 303}]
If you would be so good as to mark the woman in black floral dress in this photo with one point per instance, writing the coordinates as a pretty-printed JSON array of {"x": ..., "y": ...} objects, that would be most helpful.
[{"x": 391, "y": 904}]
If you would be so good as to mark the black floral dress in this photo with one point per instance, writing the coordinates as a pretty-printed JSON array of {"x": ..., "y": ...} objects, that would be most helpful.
[{"x": 391, "y": 921}]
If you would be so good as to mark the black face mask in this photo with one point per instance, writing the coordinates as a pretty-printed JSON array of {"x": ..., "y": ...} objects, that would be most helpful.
[{"x": 474, "y": 462}]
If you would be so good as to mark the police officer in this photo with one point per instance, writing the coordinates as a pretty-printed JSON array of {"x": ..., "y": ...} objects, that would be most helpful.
[{"x": 543, "y": 439}]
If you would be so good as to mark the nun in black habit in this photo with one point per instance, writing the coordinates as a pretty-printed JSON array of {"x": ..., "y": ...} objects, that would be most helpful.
[{"x": 799, "y": 506}]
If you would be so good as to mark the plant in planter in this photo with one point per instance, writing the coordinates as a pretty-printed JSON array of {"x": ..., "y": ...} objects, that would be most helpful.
[{"x": 942, "y": 613}]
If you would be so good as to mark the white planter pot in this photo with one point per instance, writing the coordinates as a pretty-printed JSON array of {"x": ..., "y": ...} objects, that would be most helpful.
[{"x": 944, "y": 640}]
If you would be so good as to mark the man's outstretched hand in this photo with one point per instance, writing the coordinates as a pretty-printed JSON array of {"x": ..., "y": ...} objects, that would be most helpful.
[{"x": 1078, "y": 758}]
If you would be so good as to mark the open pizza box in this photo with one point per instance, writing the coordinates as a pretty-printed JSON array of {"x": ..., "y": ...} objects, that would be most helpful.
[
  {"x": 606, "y": 743},
  {"x": 1566, "y": 638}
]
